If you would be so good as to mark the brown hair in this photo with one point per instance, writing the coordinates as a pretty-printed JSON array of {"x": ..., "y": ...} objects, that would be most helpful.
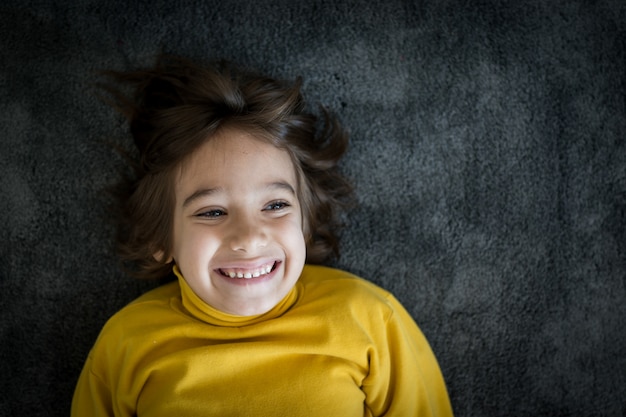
[{"x": 176, "y": 106}]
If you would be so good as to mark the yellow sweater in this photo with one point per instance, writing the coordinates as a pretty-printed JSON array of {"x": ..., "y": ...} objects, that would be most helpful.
[{"x": 337, "y": 345}]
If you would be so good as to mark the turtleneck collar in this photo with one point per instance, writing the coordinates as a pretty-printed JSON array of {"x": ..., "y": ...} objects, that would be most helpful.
[{"x": 203, "y": 311}]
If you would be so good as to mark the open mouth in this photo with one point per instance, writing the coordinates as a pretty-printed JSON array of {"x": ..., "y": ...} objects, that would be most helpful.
[{"x": 242, "y": 273}]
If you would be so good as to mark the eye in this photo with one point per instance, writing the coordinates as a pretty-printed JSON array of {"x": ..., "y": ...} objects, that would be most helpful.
[
  {"x": 276, "y": 206},
  {"x": 211, "y": 214}
]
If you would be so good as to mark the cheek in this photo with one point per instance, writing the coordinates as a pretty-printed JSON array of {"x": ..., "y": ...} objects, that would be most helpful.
[
  {"x": 194, "y": 239},
  {"x": 296, "y": 233}
]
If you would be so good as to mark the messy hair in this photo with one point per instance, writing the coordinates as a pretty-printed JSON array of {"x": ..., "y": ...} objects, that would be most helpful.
[{"x": 175, "y": 107}]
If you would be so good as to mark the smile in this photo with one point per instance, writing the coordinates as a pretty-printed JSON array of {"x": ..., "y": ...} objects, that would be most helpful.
[{"x": 248, "y": 273}]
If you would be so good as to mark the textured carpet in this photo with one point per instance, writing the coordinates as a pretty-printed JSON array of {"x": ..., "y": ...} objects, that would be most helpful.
[{"x": 488, "y": 151}]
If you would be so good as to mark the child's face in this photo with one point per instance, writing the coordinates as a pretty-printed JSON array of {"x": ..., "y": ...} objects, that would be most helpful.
[{"x": 237, "y": 236}]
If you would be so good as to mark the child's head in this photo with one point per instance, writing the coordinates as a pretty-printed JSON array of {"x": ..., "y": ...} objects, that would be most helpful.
[
  {"x": 178, "y": 110},
  {"x": 237, "y": 223}
]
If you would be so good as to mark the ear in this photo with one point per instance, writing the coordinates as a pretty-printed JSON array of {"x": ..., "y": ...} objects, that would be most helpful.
[{"x": 159, "y": 256}]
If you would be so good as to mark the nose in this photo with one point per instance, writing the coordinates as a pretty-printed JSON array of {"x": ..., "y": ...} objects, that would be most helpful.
[{"x": 247, "y": 234}]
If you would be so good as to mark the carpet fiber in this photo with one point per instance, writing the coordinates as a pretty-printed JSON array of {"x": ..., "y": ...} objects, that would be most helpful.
[{"x": 488, "y": 153}]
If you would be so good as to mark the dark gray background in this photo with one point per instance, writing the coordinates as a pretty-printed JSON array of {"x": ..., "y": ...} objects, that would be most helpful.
[{"x": 488, "y": 151}]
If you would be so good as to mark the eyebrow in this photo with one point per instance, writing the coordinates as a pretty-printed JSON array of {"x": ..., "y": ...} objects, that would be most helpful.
[
  {"x": 281, "y": 185},
  {"x": 277, "y": 185},
  {"x": 200, "y": 194}
]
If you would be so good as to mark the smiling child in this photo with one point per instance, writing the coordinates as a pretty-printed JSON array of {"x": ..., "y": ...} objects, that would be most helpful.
[{"x": 237, "y": 193}]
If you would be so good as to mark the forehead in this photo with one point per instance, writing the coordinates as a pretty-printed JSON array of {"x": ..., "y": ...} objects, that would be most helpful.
[{"x": 236, "y": 159}]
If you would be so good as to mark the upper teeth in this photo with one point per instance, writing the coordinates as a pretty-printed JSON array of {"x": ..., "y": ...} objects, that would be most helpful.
[{"x": 247, "y": 274}]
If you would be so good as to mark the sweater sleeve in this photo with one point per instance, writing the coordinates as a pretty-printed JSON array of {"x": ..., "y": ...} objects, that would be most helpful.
[
  {"x": 91, "y": 397},
  {"x": 404, "y": 378}
]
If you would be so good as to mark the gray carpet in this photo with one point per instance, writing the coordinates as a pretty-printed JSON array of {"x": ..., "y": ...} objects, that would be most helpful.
[{"x": 488, "y": 151}]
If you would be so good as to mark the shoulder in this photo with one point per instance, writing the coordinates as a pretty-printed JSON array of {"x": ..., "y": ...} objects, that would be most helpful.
[
  {"x": 156, "y": 299},
  {"x": 322, "y": 276},
  {"x": 153, "y": 307},
  {"x": 346, "y": 290},
  {"x": 157, "y": 295}
]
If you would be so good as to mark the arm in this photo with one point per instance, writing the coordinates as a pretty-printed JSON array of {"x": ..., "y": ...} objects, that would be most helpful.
[
  {"x": 404, "y": 379},
  {"x": 91, "y": 397}
]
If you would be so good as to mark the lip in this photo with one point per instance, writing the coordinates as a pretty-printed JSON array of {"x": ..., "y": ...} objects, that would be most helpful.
[{"x": 275, "y": 266}]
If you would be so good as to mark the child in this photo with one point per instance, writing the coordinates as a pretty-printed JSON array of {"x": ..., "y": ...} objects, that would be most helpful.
[{"x": 235, "y": 190}]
